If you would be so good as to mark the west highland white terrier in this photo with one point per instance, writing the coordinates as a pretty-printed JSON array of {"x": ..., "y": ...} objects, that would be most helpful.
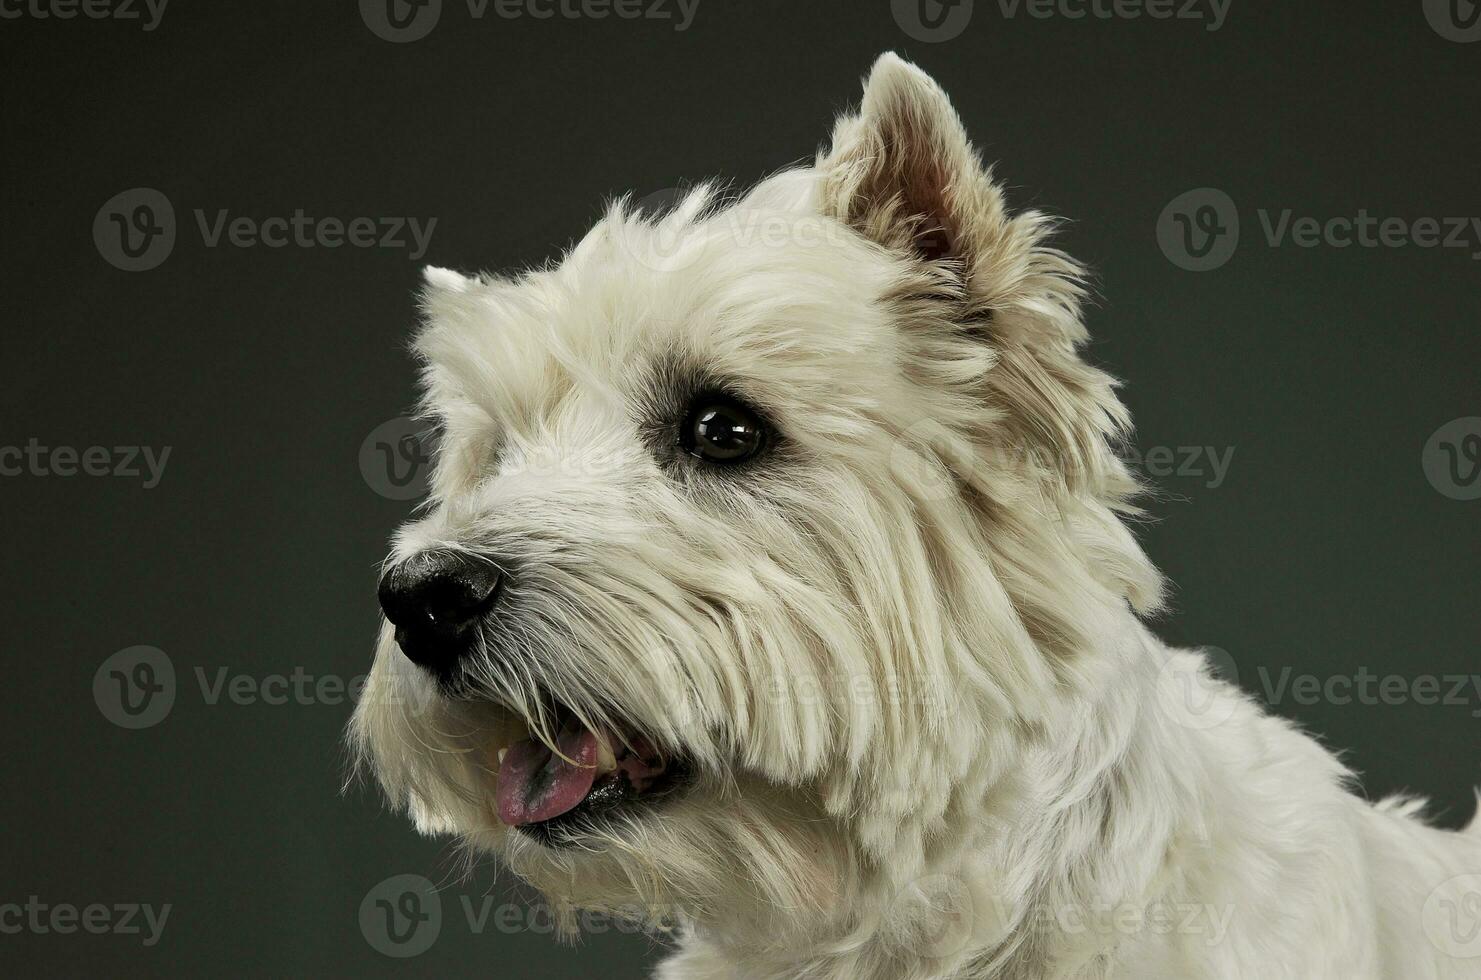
[{"x": 775, "y": 587}]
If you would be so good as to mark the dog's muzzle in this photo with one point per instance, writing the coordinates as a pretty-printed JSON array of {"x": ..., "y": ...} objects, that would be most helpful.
[
  {"x": 436, "y": 600},
  {"x": 553, "y": 786}
]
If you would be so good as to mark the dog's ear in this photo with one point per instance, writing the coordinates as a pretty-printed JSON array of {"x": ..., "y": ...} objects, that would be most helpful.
[
  {"x": 902, "y": 172},
  {"x": 448, "y": 295},
  {"x": 450, "y": 280}
]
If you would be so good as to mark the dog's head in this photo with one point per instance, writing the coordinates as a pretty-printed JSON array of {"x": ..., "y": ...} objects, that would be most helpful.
[{"x": 762, "y": 536}]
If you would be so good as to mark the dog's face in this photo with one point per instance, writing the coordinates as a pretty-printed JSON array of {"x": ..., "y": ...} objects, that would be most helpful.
[{"x": 763, "y": 536}]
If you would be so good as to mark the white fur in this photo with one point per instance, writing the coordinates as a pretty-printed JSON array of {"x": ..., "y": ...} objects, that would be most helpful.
[{"x": 932, "y": 736}]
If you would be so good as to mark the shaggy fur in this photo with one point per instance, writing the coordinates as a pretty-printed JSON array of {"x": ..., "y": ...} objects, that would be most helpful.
[{"x": 904, "y": 652}]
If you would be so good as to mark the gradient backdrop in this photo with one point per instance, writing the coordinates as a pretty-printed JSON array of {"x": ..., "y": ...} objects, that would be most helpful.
[{"x": 1338, "y": 541}]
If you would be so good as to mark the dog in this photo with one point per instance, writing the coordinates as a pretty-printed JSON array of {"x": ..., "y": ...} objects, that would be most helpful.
[{"x": 777, "y": 588}]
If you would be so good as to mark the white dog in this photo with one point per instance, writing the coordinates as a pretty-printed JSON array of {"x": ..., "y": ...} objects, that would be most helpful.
[{"x": 775, "y": 587}]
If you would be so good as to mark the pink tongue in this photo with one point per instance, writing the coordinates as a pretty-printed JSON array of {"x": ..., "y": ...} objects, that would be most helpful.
[{"x": 535, "y": 784}]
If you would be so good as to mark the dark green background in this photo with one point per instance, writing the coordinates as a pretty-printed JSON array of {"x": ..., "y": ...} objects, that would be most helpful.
[{"x": 1325, "y": 549}]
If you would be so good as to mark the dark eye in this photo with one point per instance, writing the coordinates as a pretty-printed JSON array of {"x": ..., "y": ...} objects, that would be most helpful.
[{"x": 720, "y": 429}]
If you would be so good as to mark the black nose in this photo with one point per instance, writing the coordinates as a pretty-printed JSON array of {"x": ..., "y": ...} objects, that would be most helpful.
[{"x": 435, "y": 600}]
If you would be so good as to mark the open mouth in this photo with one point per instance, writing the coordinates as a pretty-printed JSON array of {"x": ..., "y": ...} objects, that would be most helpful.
[{"x": 551, "y": 794}]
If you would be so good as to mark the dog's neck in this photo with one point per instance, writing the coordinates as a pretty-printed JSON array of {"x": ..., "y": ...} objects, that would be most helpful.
[
  {"x": 1107, "y": 811},
  {"x": 1102, "y": 806}
]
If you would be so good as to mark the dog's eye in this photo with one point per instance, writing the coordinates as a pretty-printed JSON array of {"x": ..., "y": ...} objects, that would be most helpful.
[{"x": 720, "y": 429}]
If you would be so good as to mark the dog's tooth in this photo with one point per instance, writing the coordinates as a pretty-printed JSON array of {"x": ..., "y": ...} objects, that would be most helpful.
[
  {"x": 606, "y": 761},
  {"x": 502, "y": 753}
]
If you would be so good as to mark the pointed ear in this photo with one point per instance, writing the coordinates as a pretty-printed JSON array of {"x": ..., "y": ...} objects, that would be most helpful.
[
  {"x": 447, "y": 294},
  {"x": 447, "y": 280},
  {"x": 902, "y": 172}
]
